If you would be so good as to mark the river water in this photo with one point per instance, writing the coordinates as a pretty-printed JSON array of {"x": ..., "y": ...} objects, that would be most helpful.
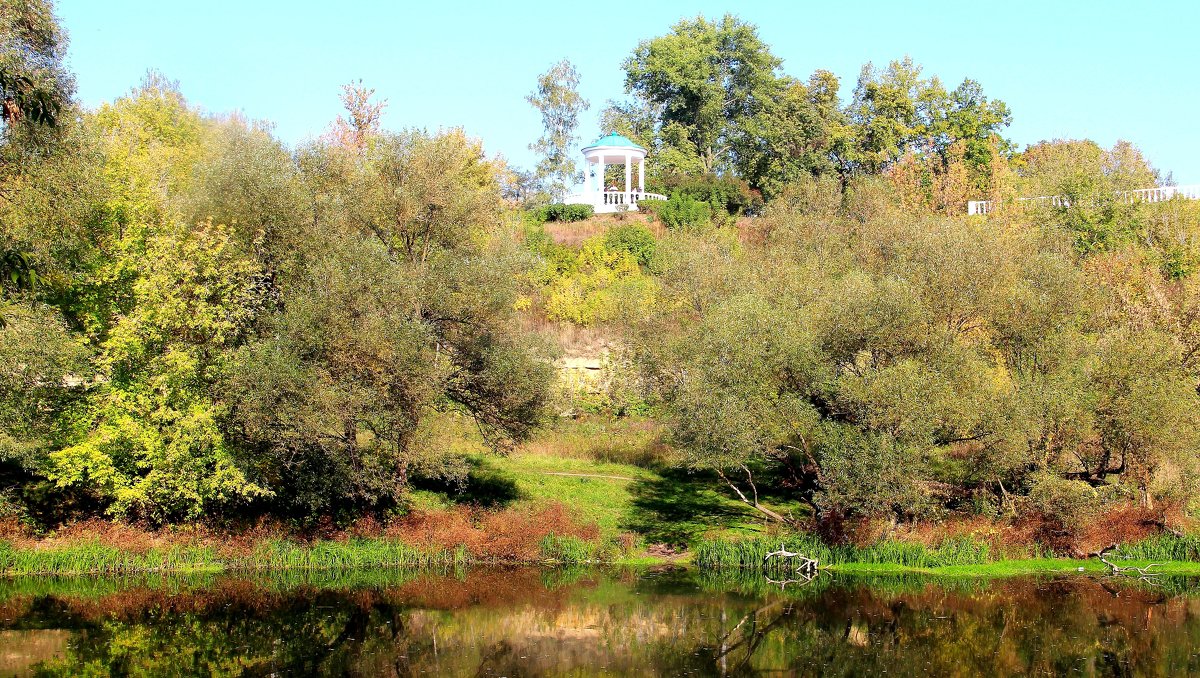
[{"x": 538, "y": 622}]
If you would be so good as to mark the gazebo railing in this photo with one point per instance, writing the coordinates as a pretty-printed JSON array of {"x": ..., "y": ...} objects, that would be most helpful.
[
  {"x": 1157, "y": 194},
  {"x": 629, "y": 197}
]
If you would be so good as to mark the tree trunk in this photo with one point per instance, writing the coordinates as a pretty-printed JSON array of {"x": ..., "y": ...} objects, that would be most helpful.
[{"x": 753, "y": 503}]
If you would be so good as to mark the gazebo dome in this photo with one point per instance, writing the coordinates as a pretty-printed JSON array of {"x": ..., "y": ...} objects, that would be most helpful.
[{"x": 613, "y": 141}]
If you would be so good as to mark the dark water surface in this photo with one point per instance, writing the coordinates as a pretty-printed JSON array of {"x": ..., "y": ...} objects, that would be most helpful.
[{"x": 531, "y": 622}]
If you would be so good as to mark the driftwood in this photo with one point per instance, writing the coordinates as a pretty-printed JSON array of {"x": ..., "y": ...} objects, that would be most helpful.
[
  {"x": 1142, "y": 573},
  {"x": 806, "y": 568}
]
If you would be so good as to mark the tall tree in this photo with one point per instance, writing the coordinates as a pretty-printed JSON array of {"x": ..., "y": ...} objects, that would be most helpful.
[
  {"x": 896, "y": 111},
  {"x": 364, "y": 116},
  {"x": 798, "y": 134},
  {"x": 710, "y": 77},
  {"x": 557, "y": 98},
  {"x": 34, "y": 86},
  {"x": 34, "y": 90},
  {"x": 399, "y": 306}
]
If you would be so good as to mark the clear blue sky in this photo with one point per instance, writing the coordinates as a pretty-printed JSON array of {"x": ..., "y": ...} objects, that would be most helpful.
[{"x": 1079, "y": 69}]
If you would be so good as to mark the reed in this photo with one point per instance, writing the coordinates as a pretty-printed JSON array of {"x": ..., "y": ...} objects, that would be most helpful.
[
  {"x": 1162, "y": 547},
  {"x": 571, "y": 550},
  {"x": 750, "y": 553},
  {"x": 94, "y": 558},
  {"x": 343, "y": 555}
]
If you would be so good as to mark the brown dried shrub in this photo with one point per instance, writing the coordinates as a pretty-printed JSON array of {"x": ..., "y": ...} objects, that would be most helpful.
[{"x": 510, "y": 534}]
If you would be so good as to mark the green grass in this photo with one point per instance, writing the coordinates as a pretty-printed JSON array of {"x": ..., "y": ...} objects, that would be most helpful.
[
  {"x": 645, "y": 493},
  {"x": 1162, "y": 547},
  {"x": 719, "y": 554},
  {"x": 96, "y": 558},
  {"x": 279, "y": 554},
  {"x": 960, "y": 557}
]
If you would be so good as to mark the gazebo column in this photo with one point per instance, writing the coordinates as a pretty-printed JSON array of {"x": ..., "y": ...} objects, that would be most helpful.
[
  {"x": 628, "y": 176},
  {"x": 642, "y": 174},
  {"x": 600, "y": 177}
]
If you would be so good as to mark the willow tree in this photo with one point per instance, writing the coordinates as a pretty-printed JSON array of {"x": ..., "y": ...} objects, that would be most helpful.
[
  {"x": 398, "y": 312},
  {"x": 34, "y": 86}
]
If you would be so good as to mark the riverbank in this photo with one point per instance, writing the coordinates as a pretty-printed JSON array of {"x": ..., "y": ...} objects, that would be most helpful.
[
  {"x": 956, "y": 557},
  {"x": 94, "y": 558},
  {"x": 594, "y": 490}
]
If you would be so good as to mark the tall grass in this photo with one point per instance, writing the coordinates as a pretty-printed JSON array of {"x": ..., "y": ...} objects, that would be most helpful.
[
  {"x": 92, "y": 557},
  {"x": 750, "y": 553},
  {"x": 343, "y": 555},
  {"x": 1163, "y": 547},
  {"x": 568, "y": 550}
]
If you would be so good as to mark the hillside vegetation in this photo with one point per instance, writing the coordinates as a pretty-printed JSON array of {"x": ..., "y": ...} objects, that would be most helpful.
[{"x": 203, "y": 328}]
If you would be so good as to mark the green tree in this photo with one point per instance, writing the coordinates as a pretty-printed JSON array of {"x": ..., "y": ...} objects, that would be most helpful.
[
  {"x": 1076, "y": 183},
  {"x": 34, "y": 86},
  {"x": 151, "y": 443},
  {"x": 798, "y": 134},
  {"x": 896, "y": 111},
  {"x": 557, "y": 99},
  {"x": 401, "y": 310},
  {"x": 708, "y": 77},
  {"x": 35, "y": 93}
]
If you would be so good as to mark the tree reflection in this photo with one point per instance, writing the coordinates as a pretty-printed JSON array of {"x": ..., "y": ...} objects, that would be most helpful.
[{"x": 526, "y": 623}]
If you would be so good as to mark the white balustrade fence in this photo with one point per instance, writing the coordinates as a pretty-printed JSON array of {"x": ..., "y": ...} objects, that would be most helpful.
[
  {"x": 1158, "y": 194},
  {"x": 630, "y": 198},
  {"x": 613, "y": 201}
]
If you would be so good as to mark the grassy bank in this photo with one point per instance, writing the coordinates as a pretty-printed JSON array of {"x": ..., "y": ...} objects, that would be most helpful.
[
  {"x": 93, "y": 557},
  {"x": 961, "y": 556}
]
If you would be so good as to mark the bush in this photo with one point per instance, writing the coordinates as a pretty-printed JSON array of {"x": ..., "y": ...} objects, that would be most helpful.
[
  {"x": 1070, "y": 503},
  {"x": 535, "y": 237},
  {"x": 681, "y": 212},
  {"x": 633, "y": 239},
  {"x": 731, "y": 195},
  {"x": 567, "y": 213}
]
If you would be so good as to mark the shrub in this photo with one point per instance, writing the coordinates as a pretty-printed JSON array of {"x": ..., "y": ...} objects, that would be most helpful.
[
  {"x": 650, "y": 206},
  {"x": 536, "y": 238},
  {"x": 734, "y": 196},
  {"x": 593, "y": 285},
  {"x": 561, "y": 212},
  {"x": 633, "y": 239},
  {"x": 1070, "y": 503},
  {"x": 682, "y": 212}
]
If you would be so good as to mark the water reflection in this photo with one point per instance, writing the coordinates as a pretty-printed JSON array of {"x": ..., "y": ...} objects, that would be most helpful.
[{"x": 530, "y": 622}]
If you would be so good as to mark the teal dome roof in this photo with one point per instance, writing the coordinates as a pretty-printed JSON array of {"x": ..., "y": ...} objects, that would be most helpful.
[{"x": 614, "y": 139}]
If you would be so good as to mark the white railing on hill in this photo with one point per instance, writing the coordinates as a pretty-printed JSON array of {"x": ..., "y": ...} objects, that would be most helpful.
[
  {"x": 613, "y": 201},
  {"x": 1157, "y": 194}
]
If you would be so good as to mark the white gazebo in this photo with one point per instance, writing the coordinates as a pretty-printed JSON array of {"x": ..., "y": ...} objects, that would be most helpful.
[{"x": 613, "y": 149}]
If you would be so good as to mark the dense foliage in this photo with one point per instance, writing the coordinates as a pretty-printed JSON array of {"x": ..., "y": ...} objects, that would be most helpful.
[
  {"x": 557, "y": 211},
  {"x": 710, "y": 98},
  {"x": 198, "y": 322},
  {"x": 905, "y": 365},
  {"x": 222, "y": 327}
]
